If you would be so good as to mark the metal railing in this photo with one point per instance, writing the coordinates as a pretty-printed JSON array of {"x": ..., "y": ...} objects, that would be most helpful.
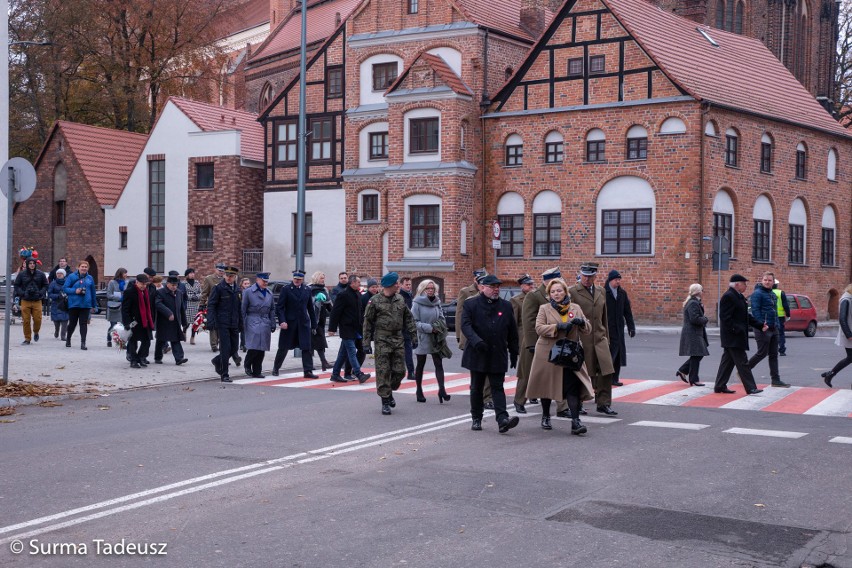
[{"x": 252, "y": 260}]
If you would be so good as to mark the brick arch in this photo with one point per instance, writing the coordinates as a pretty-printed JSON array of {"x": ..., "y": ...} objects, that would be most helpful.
[
  {"x": 625, "y": 173},
  {"x": 427, "y": 191},
  {"x": 669, "y": 115},
  {"x": 594, "y": 127},
  {"x": 363, "y": 125},
  {"x": 382, "y": 50},
  {"x": 731, "y": 193},
  {"x": 422, "y": 104},
  {"x": 807, "y": 207},
  {"x": 646, "y": 125},
  {"x": 543, "y": 137}
]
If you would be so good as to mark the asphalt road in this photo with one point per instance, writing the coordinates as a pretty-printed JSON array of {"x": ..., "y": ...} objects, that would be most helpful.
[{"x": 243, "y": 475}]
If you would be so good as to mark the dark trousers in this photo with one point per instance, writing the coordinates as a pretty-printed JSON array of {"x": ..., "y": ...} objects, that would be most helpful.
[
  {"x": 229, "y": 346},
  {"x": 177, "y": 349},
  {"x": 734, "y": 358},
  {"x": 767, "y": 344},
  {"x": 76, "y": 315},
  {"x": 281, "y": 354},
  {"x": 137, "y": 349},
  {"x": 254, "y": 361},
  {"x": 690, "y": 367},
  {"x": 409, "y": 354},
  {"x": 843, "y": 363},
  {"x": 570, "y": 393},
  {"x": 359, "y": 353},
  {"x": 782, "y": 339},
  {"x": 498, "y": 395},
  {"x": 61, "y": 328},
  {"x": 615, "y": 355}
]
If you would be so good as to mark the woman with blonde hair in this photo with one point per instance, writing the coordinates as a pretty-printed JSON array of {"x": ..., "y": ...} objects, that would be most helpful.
[
  {"x": 844, "y": 335},
  {"x": 559, "y": 319},
  {"x": 693, "y": 336},
  {"x": 431, "y": 336}
]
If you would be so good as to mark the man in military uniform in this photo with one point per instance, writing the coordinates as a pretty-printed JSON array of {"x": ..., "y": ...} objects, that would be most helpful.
[
  {"x": 592, "y": 301},
  {"x": 224, "y": 314},
  {"x": 517, "y": 301},
  {"x": 386, "y": 317},
  {"x": 297, "y": 320},
  {"x": 207, "y": 285}
]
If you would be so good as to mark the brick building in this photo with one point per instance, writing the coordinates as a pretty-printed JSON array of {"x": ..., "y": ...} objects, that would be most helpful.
[
  {"x": 194, "y": 196},
  {"x": 80, "y": 171},
  {"x": 632, "y": 137}
]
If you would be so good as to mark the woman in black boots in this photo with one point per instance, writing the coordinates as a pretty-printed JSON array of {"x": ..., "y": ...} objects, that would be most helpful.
[
  {"x": 431, "y": 336},
  {"x": 322, "y": 308},
  {"x": 844, "y": 336}
]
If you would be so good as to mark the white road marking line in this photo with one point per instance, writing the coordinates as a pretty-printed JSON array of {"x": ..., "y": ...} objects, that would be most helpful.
[
  {"x": 841, "y": 440},
  {"x": 759, "y": 401},
  {"x": 678, "y": 425},
  {"x": 592, "y": 419},
  {"x": 838, "y": 404},
  {"x": 679, "y": 397},
  {"x": 636, "y": 387},
  {"x": 770, "y": 433}
]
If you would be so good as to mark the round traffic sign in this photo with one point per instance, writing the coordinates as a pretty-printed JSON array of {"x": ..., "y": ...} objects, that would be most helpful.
[
  {"x": 495, "y": 229},
  {"x": 24, "y": 178}
]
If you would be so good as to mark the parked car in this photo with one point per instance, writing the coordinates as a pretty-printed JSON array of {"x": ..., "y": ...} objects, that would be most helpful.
[{"x": 803, "y": 316}]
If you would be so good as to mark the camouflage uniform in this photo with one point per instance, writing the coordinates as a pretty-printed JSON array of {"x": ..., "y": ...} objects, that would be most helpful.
[{"x": 387, "y": 317}]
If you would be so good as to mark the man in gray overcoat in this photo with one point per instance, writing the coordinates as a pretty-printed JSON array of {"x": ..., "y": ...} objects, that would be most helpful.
[{"x": 259, "y": 322}]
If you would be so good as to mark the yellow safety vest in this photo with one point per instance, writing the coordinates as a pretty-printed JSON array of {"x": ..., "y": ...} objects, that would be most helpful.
[{"x": 778, "y": 304}]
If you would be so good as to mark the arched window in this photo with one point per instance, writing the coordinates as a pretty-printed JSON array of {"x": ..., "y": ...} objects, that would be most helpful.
[
  {"x": 547, "y": 224},
  {"x": 510, "y": 215},
  {"x": 265, "y": 97},
  {"x": 729, "y": 15},
  {"x": 514, "y": 150},
  {"x": 831, "y": 168},
  {"x": 710, "y": 128},
  {"x": 766, "y": 153},
  {"x": 762, "y": 216},
  {"x": 801, "y": 161},
  {"x": 373, "y": 145},
  {"x": 595, "y": 145},
  {"x": 829, "y": 230},
  {"x": 723, "y": 219},
  {"x": 738, "y": 18},
  {"x": 637, "y": 143},
  {"x": 369, "y": 201},
  {"x": 720, "y": 14},
  {"x": 798, "y": 226},
  {"x": 60, "y": 195},
  {"x": 673, "y": 125},
  {"x": 732, "y": 140},
  {"x": 625, "y": 217},
  {"x": 554, "y": 148}
]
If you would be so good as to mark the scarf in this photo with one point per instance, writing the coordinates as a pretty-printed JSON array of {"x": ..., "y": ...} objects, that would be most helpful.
[
  {"x": 562, "y": 307},
  {"x": 145, "y": 309},
  {"x": 122, "y": 284}
]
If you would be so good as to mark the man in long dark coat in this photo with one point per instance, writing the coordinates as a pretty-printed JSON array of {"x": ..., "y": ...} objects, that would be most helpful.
[
  {"x": 297, "y": 321},
  {"x": 170, "y": 304},
  {"x": 224, "y": 314},
  {"x": 618, "y": 313},
  {"x": 734, "y": 321},
  {"x": 258, "y": 311},
  {"x": 137, "y": 316},
  {"x": 492, "y": 347}
]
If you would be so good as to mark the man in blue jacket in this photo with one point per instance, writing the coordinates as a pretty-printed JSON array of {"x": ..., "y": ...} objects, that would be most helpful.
[{"x": 764, "y": 308}]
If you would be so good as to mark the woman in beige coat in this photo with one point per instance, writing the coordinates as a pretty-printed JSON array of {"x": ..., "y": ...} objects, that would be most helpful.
[{"x": 556, "y": 320}]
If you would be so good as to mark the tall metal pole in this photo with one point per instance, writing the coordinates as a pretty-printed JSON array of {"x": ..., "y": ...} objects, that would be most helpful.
[
  {"x": 303, "y": 134},
  {"x": 5, "y": 254},
  {"x": 7, "y": 324}
]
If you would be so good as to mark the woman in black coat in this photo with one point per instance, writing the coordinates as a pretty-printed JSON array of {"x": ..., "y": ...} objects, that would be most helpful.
[
  {"x": 322, "y": 308},
  {"x": 693, "y": 336}
]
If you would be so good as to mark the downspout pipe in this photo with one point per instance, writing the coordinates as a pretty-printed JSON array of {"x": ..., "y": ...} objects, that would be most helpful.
[{"x": 483, "y": 105}]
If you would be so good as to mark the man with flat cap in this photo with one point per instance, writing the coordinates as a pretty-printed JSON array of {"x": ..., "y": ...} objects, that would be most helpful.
[
  {"x": 224, "y": 314},
  {"x": 492, "y": 334},
  {"x": 734, "y": 321},
  {"x": 465, "y": 294},
  {"x": 137, "y": 316},
  {"x": 385, "y": 318},
  {"x": 592, "y": 301},
  {"x": 527, "y": 285},
  {"x": 209, "y": 282},
  {"x": 170, "y": 305},
  {"x": 297, "y": 320},
  {"x": 258, "y": 312}
]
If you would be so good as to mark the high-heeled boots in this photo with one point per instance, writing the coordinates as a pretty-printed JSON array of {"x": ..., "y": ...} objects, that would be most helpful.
[
  {"x": 442, "y": 393},
  {"x": 419, "y": 380},
  {"x": 827, "y": 376},
  {"x": 325, "y": 364}
]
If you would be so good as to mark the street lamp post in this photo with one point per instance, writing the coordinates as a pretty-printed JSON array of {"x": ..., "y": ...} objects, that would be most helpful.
[{"x": 302, "y": 146}]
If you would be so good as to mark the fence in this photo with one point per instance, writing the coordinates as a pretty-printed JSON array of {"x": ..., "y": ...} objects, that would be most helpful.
[{"x": 252, "y": 260}]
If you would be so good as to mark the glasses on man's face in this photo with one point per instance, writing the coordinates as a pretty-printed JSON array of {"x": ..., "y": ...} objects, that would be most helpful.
[{"x": 493, "y": 286}]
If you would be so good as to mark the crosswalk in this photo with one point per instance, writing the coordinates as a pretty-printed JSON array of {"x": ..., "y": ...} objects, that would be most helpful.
[{"x": 793, "y": 400}]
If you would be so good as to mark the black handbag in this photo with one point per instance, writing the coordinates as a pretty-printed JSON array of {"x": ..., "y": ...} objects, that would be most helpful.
[{"x": 567, "y": 353}]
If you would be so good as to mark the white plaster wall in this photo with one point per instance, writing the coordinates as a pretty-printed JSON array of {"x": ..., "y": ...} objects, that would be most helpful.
[
  {"x": 179, "y": 139},
  {"x": 329, "y": 233},
  {"x": 368, "y": 95},
  {"x": 451, "y": 57},
  {"x": 364, "y": 160}
]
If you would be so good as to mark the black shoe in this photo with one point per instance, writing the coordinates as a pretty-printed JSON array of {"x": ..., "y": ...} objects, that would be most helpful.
[
  {"x": 826, "y": 377},
  {"x": 349, "y": 378},
  {"x": 578, "y": 427},
  {"x": 226, "y": 379},
  {"x": 508, "y": 424},
  {"x": 337, "y": 379},
  {"x": 545, "y": 423},
  {"x": 158, "y": 361},
  {"x": 681, "y": 376},
  {"x": 489, "y": 405},
  {"x": 696, "y": 384},
  {"x": 782, "y": 354},
  {"x": 56, "y": 334},
  {"x": 67, "y": 343},
  {"x": 135, "y": 365},
  {"x": 258, "y": 376},
  {"x": 274, "y": 372},
  {"x": 533, "y": 401},
  {"x": 109, "y": 343},
  {"x": 755, "y": 391},
  {"x": 563, "y": 414},
  {"x": 145, "y": 361},
  {"x": 781, "y": 384},
  {"x": 215, "y": 360},
  {"x": 311, "y": 375},
  {"x": 419, "y": 395},
  {"x": 725, "y": 390},
  {"x": 442, "y": 396},
  {"x": 243, "y": 348},
  {"x": 583, "y": 411},
  {"x": 35, "y": 337},
  {"x": 182, "y": 361},
  {"x": 476, "y": 424},
  {"x": 83, "y": 346},
  {"x": 26, "y": 342},
  {"x": 238, "y": 360},
  {"x": 391, "y": 401},
  {"x": 519, "y": 408},
  {"x": 363, "y": 378},
  {"x": 617, "y": 384},
  {"x": 386, "y": 409},
  {"x": 605, "y": 409}
]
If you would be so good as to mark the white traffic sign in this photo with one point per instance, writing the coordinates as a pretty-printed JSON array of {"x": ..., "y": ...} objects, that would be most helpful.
[
  {"x": 495, "y": 244},
  {"x": 495, "y": 230},
  {"x": 24, "y": 178}
]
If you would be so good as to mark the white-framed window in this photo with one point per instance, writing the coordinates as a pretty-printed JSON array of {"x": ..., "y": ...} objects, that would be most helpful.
[
  {"x": 673, "y": 125},
  {"x": 723, "y": 219},
  {"x": 828, "y": 237},
  {"x": 425, "y": 125},
  {"x": 510, "y": 215},
  {"x": 831, "y": 167},
  {"x": 368, "y": 95},
  {"x": 547, "y": 224},
  {"x": 366, "y": 141},
  {"x": 595, "y": 145},
  {"x": 625, "y": 217},
  {"x": 369, "y": 202},
  {"x": 554, "y": 148},
  {"x": 762, "y": 235},
  {"x": 798, "y": 230},
  {"x": 637, "y": 143},
  {"x": 514, "y": 151},
  {"x": 423, "y": 226}
]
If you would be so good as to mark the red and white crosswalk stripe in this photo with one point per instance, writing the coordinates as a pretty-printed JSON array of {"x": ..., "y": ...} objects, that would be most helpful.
[{"x": 794, "y": 400}]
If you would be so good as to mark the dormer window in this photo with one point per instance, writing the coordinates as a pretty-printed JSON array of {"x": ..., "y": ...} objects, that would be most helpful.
[{"x": 384, "y": 74}]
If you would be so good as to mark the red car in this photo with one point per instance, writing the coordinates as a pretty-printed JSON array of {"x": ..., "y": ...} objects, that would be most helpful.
[{"x": 803, "y": 316}]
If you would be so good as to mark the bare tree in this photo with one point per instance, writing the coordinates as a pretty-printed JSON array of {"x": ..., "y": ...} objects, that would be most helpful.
[{"x": 844, "y": 65}]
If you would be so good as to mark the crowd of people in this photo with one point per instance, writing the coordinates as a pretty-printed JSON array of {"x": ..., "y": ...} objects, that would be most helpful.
[{"x": 566, "y": 342}]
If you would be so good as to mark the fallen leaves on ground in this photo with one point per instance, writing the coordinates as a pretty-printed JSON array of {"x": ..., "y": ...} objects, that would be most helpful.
[
  {"x": 7, "y": 411},
  {"x": 19, "y": 389},
  {"x": 49, "y": 403}
]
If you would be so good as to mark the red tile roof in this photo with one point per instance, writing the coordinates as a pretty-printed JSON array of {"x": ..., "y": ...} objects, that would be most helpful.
[
  {"x": 740, "y": 73},
  {"x": 211, "y": 118},
  {"x": 500, "y": 15},
  {"x": 440, "y": 67},
  {"x": 321, "y": 24},
  {"x": 244, "y": 16},
  {"x": 106, "y": 156}
]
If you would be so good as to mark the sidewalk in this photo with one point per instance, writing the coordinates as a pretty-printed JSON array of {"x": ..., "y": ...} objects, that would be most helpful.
[{"x": 66, "y": 372}]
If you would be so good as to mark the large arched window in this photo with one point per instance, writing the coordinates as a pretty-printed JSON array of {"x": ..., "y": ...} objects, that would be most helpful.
[
  {"x": 762, "y": 235},
  {"x": 625, "y": 213},
  {"x": 510, "y": 215},
  {"x": 514, "y": 150},
  {"x": 723, "y": 219},
  {"x": 798, "y": 226},
  {"x": 829, "y": 232},
  {"x": 831, "y": 167},
  {"x": 547, "y": 224}
]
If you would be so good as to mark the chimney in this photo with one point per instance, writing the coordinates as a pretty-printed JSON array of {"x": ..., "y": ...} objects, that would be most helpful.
[
  {"x": 532, "y": 16},
  {"x": 278, "y": 10}
]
